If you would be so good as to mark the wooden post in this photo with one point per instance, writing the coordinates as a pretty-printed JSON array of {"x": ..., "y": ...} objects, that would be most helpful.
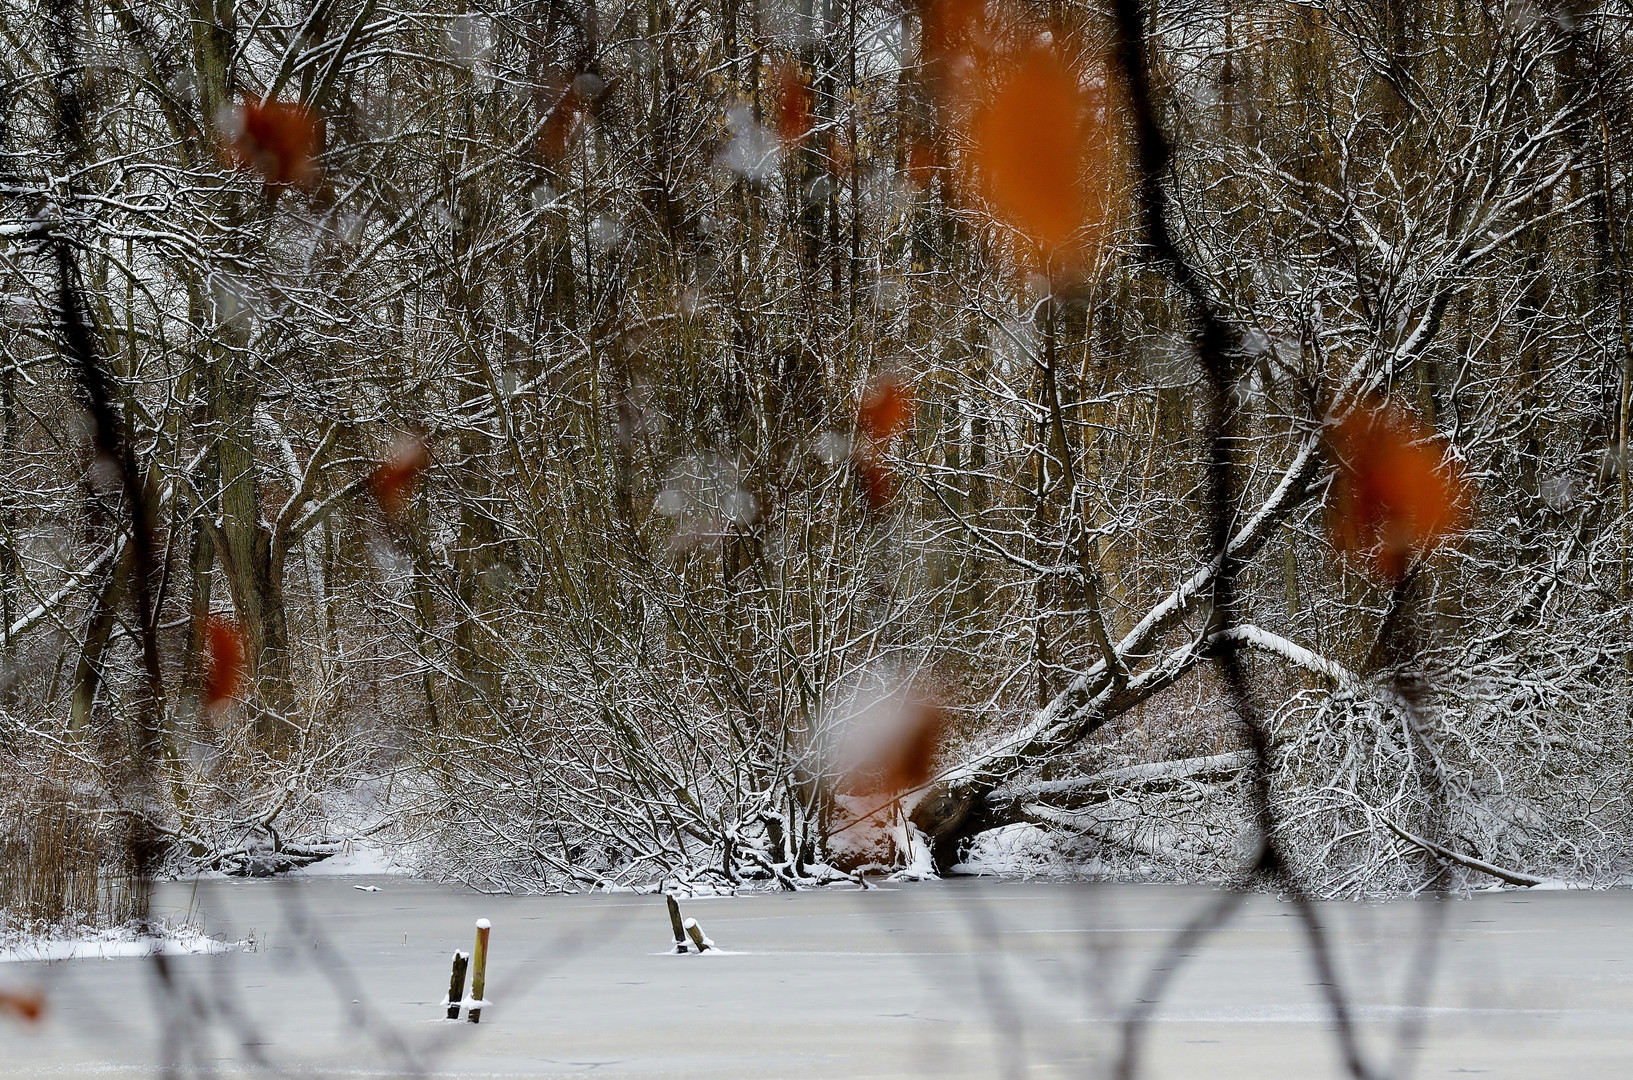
[
  {"x": 695, "y": 932},
  {"x": 456, "y": 985},
  {"x": 675, "y": 923},
  {"x": 479, "y": 973}
]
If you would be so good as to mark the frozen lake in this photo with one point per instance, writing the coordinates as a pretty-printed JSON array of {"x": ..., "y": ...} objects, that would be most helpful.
[{"x": 962, "y": 978}]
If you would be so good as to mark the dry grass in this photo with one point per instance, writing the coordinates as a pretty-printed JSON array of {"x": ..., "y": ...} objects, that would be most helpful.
[{"x": 59, "y": 860}]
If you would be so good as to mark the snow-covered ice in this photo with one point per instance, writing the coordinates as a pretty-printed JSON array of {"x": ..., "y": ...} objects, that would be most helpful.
[
  {"x": 956, "y": 978},
  {"x": 111, "y": 945}
]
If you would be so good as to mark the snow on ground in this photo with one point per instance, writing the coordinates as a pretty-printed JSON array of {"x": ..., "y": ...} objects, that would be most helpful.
[
  {"x": 356, "y": 814},
  {"x": 1020, "y": 850},
  {"x": 359, "y": 857},
  {"x": 877, "y": 836},
  {"x": 1024, "y": 851},
  {"x": 110, "y": 945},
  {"x": 921, "y": 862}
]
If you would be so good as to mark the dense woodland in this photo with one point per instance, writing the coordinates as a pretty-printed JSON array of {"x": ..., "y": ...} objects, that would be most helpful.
[{"x": 693, "y": 442}]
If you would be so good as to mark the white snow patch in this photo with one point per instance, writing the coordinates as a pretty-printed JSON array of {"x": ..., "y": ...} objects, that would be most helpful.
[
  {"x": 879, "y": 837},
  {"x": 1019, "y": 850},
  {"x": 754, "y": 152},
  {"x": 823, "y": 874},
  {"x": 112, "y": 945},
  {"x": 921, "y": 862},
  {"x": 358, "y": 858}
]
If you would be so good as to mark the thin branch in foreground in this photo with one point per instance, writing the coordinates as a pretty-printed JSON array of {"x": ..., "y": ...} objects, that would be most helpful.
[
  {"x": 1217, "y": 344},
  {"x": 113, "y": 444}
]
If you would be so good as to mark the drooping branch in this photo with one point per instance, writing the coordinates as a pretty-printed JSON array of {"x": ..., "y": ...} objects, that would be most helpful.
[
  {"x": 1440, "y": 851},
  {"x": 948, "y": 809}
]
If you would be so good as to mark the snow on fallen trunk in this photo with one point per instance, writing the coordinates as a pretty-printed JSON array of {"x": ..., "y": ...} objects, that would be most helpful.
[
  {"x": 1099, "y": 786},
  {"x": 1021, "y": 849}
]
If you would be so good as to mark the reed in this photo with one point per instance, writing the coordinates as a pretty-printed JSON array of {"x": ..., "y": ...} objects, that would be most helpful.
[{"x": 59, "y": 860}]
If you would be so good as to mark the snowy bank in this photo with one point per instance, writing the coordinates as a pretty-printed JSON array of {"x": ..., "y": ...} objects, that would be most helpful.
[{"x": 110, "y": 945}]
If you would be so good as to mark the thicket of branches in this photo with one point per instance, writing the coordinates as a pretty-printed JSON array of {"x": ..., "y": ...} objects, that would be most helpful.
[{"x": 641, "y": 280}]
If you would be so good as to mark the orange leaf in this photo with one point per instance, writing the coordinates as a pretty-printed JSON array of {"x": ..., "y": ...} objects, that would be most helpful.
[
  {"x": 900, "y": 753},
  {"x": 793, "y": 104},
  {"x": 887, "y": 409},
  {"x": 223, "y": 661},
  {"x": 952, "y": 26},
  {"x": 558, "y": 133},
  {"x": 26, "y": 1005},
  {"x": 1395, "y": 494},
  {"x": 278, "y": 139},
  {"x": 913, "y": 755},
  {"x": 921, "y": 164},
  {"x": 394, "y": 480},
  {"x": 1030, "y": 144},
  {"x": 878, "y": 482},
  {"x": 561, "y": 126}
]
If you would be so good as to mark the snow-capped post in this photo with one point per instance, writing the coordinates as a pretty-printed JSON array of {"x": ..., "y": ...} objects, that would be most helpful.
[
  {"x": 479, "y": 972},
  {"x": 695, "y": 932},
  {"x": 456, "y": 984},
  {"x": 675, "y": 923}
]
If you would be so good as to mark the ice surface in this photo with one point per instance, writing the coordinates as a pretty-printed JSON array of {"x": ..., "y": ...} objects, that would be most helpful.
[{"x": 957, "y": 978}]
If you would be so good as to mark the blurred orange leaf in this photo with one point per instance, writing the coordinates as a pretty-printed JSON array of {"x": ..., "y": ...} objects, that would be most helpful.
[
  {"x": 1030, "y": 144},
  {"x": 26, "y": 1005},
  {"x": 394, "y": 479},
  {"x": 560, "y": 127},
  {"x": 887, "y": 409},
  {"x": 878, "y": 482},
  {"x": 899, "y": 753},
  {"x": 278, "y": 139},
  {"x": 952, "y": 26},
  {"x": 1395, "y": 494},
  {"x": 921, "y": 164},
  {"x": 558, "y": 133},
  {"x": 223, "y": 661},
  {"x": 793, "y": 104}
]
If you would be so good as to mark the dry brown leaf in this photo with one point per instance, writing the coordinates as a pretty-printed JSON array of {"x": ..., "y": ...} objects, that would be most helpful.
[{"x": 1395, "y": 493}]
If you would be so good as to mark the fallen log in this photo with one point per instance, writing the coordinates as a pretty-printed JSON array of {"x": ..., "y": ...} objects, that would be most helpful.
[
  {"x": 1128, "y": 837},
  {"x": 1440, "y": 851},
  {"x": 1065, "y": 794}
]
